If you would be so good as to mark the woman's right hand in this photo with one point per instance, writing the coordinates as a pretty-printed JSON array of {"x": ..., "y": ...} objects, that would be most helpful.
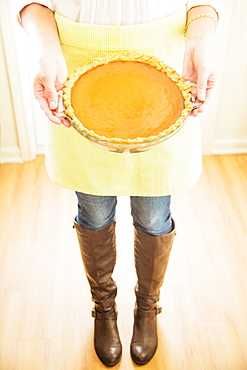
[
  {"x": 40, "y": 24},
  {"x": 50, "y": 78}
]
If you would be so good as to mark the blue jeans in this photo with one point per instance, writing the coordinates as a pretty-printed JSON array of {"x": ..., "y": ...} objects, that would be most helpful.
[{"x": 151, "y": 215}]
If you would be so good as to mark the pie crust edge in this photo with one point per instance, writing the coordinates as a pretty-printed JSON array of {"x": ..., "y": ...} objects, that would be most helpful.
[{"x": 184, "y": 88}]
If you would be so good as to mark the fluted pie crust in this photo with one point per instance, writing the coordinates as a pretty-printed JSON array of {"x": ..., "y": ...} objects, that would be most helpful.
[{"x": 129, "y": 103}]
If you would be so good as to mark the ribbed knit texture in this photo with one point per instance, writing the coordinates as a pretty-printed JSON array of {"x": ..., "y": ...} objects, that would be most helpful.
[{"x": 76, "y": 163}]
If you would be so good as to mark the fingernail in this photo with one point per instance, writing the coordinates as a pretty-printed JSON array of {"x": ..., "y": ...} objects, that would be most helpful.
[
  {"x": 52, "y": 105},
  {"x": 201, "y": 96}
]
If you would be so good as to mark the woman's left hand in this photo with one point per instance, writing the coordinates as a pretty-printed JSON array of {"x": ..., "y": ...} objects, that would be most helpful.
[
  {"x": 199, "y": 59},
  {"x": 199, "y": 68}
]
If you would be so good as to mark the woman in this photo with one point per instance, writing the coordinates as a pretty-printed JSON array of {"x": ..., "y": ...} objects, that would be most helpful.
[{"x": 67, "y": 34}]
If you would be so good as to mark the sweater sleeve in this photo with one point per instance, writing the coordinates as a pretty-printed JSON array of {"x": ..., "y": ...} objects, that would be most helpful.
[{"x": 218, "y": 5}]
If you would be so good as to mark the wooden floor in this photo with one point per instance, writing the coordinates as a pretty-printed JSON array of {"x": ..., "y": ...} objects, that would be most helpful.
[{"x": 45, "y": 303}]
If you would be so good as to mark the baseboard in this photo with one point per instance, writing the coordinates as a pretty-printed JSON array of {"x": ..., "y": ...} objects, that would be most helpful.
[
  {"x": 233, "y": 146},
  {"x": 10, "y": 155}
]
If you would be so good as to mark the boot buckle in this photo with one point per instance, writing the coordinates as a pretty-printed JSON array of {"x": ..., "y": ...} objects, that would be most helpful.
[
  {"x": 158, "y": 310},
  {"x": 93, "y": 312},
  {"x": 107, "y": 315},
  {"x": 149, "y": 313}
]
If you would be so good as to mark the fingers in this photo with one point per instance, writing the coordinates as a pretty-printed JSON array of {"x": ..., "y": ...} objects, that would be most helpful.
[
  {"x": 47, "y": 96},
  {"x": 202, "y": 84},
  {"x": 199, "y": 79},
  {"x": 210, "y": 91},
  {"x": 66, "y": 123},
  {"x": 45, "y": 85},
  {"x": 202, "y": 91},
  {"x": 45, "y": 107}
]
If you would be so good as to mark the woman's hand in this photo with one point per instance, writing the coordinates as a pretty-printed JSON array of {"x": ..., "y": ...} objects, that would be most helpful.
[
  {"x": 199, "y": 59},
  {"x": 40, "y": 24},
  {"x": 51, "y": 76},
  {"x": 199, "y": 68}
]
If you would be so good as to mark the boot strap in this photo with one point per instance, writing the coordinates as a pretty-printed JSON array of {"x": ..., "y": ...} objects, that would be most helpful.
[
  {"x": 108, "y": 315},
  {"x": 142, "y": 313}
]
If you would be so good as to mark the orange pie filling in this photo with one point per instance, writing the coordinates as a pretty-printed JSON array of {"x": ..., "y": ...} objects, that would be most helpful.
[{"x": 126, "y": 98}]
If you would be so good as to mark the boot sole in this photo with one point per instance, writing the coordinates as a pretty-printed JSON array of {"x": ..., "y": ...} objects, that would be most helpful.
[
  {"x": 144, "y": 362},
  {"x": 109, "y": 365}
]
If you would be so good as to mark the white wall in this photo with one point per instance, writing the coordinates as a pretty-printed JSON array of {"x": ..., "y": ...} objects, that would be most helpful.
[
  {"x": 9, "y": 146},
  {"x": 224, "y": 125},
  {"x": 18, "y": 126}
]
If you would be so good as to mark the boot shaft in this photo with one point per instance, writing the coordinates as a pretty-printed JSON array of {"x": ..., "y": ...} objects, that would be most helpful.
[
  {"x": 151, "y": 259},
  {"x": 98, "y": 251}
]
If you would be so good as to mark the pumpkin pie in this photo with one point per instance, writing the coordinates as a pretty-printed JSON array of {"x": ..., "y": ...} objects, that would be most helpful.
[{"x": 126, "y": 98}]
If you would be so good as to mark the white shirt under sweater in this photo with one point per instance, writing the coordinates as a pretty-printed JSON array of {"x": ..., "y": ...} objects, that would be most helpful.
[{"x": 118, "y": 12}]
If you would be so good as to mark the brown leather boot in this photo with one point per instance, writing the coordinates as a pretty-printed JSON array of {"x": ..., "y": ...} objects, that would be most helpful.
[
  {"x": 98, "y": 250},
  {"x": 151, "y": 260}
]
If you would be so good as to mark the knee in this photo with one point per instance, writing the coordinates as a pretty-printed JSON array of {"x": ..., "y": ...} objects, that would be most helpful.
[
  {"x": 95, "y": 212},
  {"x": 154, "y": 225},
  {"x": 152, "y": 215}
]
